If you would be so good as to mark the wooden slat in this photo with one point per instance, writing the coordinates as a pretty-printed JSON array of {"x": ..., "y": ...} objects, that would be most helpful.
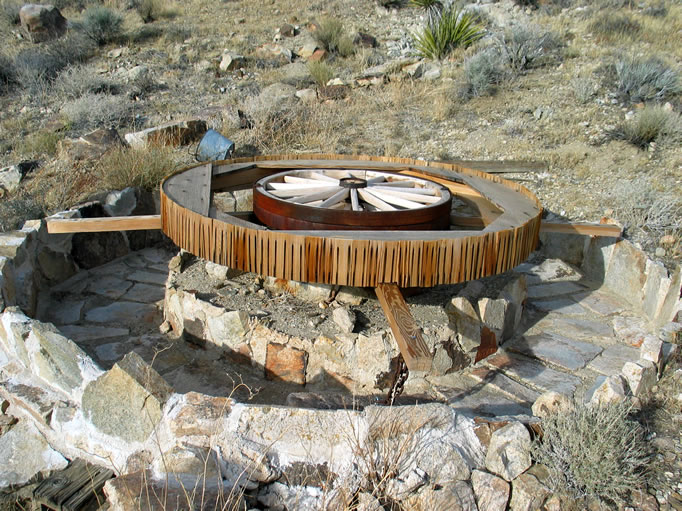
[
  {"x": 192, "y": 189},
  {"x": 500, "y": 167},
  {"x": 607, "y": 230},
  {"x": 405, "y": 330},
  {"x": 123, "y": 223}
]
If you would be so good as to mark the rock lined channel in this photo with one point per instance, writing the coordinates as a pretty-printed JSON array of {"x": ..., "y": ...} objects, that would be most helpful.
[{"x": 262, "y": 393}]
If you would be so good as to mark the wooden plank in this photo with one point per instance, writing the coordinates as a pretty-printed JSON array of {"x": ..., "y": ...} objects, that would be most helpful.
[
  {"x": 405, "y": 330},
  {"x": 192, "y": 188},
  {"x": 73, "y": 487},
  {"x": 607, "y": 230},
  {"x": 500, "y": 167},
  {"x": 122, "y": 223}
]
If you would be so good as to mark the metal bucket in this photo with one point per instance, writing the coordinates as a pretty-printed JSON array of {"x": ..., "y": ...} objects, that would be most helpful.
[{"x": 214, "y": 146}]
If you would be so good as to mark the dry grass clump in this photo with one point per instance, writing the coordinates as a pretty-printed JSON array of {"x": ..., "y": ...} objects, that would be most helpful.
[
  {"x": 654, "y": 123},
  {"x": 38, "y": 144},
  {"x": 102, "y": 25},
  {"x": 594, "y": 451},
  {"x": 584, "y": 89},
  {"x": 646, "y": 79},
  {"x": 612, "y": 26},
  {"x": 452, "y": 28},
  {"x": 483, "y": 72},
  {"x": 76, "y": 81},
  {"x": 330, "y": 35},
  {"x": 526, "y": 46},
  {"x": 143, "y": 167},
  {"x": 91, "y": 111},
  {"x": 321, "y": 72}
]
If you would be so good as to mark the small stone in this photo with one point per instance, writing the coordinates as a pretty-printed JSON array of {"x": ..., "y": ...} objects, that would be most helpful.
[
  {"x": 509, "y": 451},
  {"x": 651, "y": 349},
  {"x": 660, "y": 252},
  {"x": 308, "y": 95},
  {"x": 231, "y": 61},
  {"x": 612, "y": 390},
  {"x": 10, "y": 177},
  {"x": 287, "y": 30},
  {"x": 344, "y": 318},
  {"x": 492, "y": 492},
  {"x": 551, "y": 403},
  {"x": 165, "y": 327},
  {"x": 120, "y": 202},
  {"x": 217, "y": 271},
  {"x": 365, "y": 40},
  {"x": 641, "y": 376},
  {"x": 318, "y": 55}
]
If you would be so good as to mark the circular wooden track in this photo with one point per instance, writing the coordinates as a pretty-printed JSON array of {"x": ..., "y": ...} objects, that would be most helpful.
[{"x": 503, "y": 234}]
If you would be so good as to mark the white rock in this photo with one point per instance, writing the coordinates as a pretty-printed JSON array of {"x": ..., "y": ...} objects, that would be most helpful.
[
  {"x": 231, "y": 61},
  {"x": 308, "y": 95},
  {"x": 509, "y": 451},
  {"x": 24, "y": 453},
  {"x": 402, "y": 486},
  {"x": 641, "y": 376},
  {"x": 217, "y": 271},
  {"x": 120, "y": 203},
  {"x": 344, "y": 318},
  {"x": 492, "y": 492},
  {"x": 551, "y": 403},
  {"x": 612, "y": 390},
  {"x": 10, "y": 177},
  {"x": 651, "y": 349}
]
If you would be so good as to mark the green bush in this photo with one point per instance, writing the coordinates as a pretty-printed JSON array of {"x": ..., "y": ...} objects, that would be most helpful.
[
  {"x": 330, "y": 36},
  {"x": 102, "y": 25},
  {"x": 652, "y": 124},
  {"x": 611, "y": 26},
  {"x": 524, "y": 47},
  {"x": 593, "y": 451},
  {"x": 483, "y": 72},
  {"x": 646, "y": 79},
  {"x": 454, "y": 28}
]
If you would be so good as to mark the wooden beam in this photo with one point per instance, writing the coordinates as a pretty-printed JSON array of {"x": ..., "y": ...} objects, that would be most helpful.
[
  {"x": 405, "y": 330},
  {"x": 500, "y": 167},
  {"x": 607, "y": 230},
  {"x": 116, "y": 223}
]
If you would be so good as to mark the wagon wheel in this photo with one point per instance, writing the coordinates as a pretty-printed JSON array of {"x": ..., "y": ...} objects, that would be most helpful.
[{"x": 350, "y": 199}]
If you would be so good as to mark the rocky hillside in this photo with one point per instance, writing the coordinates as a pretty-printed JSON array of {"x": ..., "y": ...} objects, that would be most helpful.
[{"x": 590, "y": 88}]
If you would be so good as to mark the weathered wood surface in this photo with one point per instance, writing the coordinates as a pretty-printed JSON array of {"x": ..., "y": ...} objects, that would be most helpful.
[
  {"x": 74, "y": 488},
  {"x": 192, "y": 188},
  {"x": 405, "y": 330},
  {"x": 116, "y": 223},
  {"x": 606, "y": 230}
]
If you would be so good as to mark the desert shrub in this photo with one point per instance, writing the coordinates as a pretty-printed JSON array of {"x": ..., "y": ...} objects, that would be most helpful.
[
  {"x": 652, "y": 124},
  {"x": 656, "y": 10},
  {"x": 524, "y": 47},
  {"x": 432, "y": 8},
  {"x": 9, "y": 11},
  {"x": 453, "y": 29},
  {"x": 593, "y": 451},
  {"x": 527, "y": 3},
  {"x": 178, "y": 33},
  {"x": 646, "y": 79},
  {"x": 102, "y": 25},
  {"x": 92, "y": 111},
  {"x": 144, "y": 167},
  {"x": 612, "y": 26},
  {"x": 482, "y": 73},
  {"x": 149, "y": 10},
  {"x": 584, "y": 89},
  {"x": 76, "y": 81},
  {"x": 17, "y": 210},
  {"x": 321, "y": 72},
  {"x": 7, "y": 71},
  {"x": 330, "y": 35}
]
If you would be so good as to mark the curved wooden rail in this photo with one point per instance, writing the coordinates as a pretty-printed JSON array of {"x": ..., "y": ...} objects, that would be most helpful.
[{"x": 354, "y": 258}]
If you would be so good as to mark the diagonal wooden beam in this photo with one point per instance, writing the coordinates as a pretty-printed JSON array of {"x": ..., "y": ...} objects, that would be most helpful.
[{"x": 405, "y": 329}]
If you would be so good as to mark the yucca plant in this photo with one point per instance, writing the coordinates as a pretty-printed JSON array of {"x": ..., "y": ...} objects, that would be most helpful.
[
  {"x": 453, "y": 29},
  {"x": 432, "y": 8}
]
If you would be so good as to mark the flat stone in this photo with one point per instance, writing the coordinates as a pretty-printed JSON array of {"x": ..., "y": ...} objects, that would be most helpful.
[
  {"x": 575, "y": 327},
  {"x": 122, "y": 313},
  {"x": 509, "y": 452},
  {"x": 626, "y": 274},
  {"x": 453, "y": 496},
  {"x": 145, "y": 293},
  {"x": 534, "y": 373},
  {"x": 612, "y": 359},
  {"x": 492, "y": 492},
  {"x": 560, "y": 306},
  {"x": 556, "y": 349},
  {"x": 126, "y": 401},
  {"x": 110, "y": 352},
  {"x": 551, "y": 403},
  {"x": 175, "y": 133},
  {"x": 149, "y": 277},
  {"x": 156, "y": 256},
  {"x": 630, "y": 330},
  {"x": 481, "y": 400},
  {"x": 64, "y": 312},
  {"x": 554, "y": 289},
  {"x": 641, "y": 376},
  {"x": 651, "y": 349},
  {"x": 24, "y": 453},
  {"x": 285, "y": 363},
  {"x": 601, "y": 303},
  {"x": 38, "y": 402},
  {"x": 199, "y": 415},
  {"x": 91, "y": 333},
  {"x": 547, "y": 271},
  {"x": 506, "y": 385}
]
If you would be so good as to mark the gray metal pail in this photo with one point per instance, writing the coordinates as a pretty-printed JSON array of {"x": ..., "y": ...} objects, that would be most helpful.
[{"x": 214, "y": 146}]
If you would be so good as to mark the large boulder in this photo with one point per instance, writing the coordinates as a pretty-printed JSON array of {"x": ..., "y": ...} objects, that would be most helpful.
[{"x": 42, "y": 22}]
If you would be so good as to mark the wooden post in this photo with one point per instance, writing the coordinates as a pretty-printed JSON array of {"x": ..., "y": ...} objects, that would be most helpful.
[
  {"x": 405, "y": 330},
  {"x": 104, "y": 224}
]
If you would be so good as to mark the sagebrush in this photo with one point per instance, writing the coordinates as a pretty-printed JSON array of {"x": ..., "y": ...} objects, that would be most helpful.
[
  {"x": 594, "y": 451},
  {"x": 654, "y": 123},
  {"x": 525, "y": 47},
  {"x": 102, "y": 25},
  {"x": 646, "y": 79},
  {"x": 483, "y": 72}
]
